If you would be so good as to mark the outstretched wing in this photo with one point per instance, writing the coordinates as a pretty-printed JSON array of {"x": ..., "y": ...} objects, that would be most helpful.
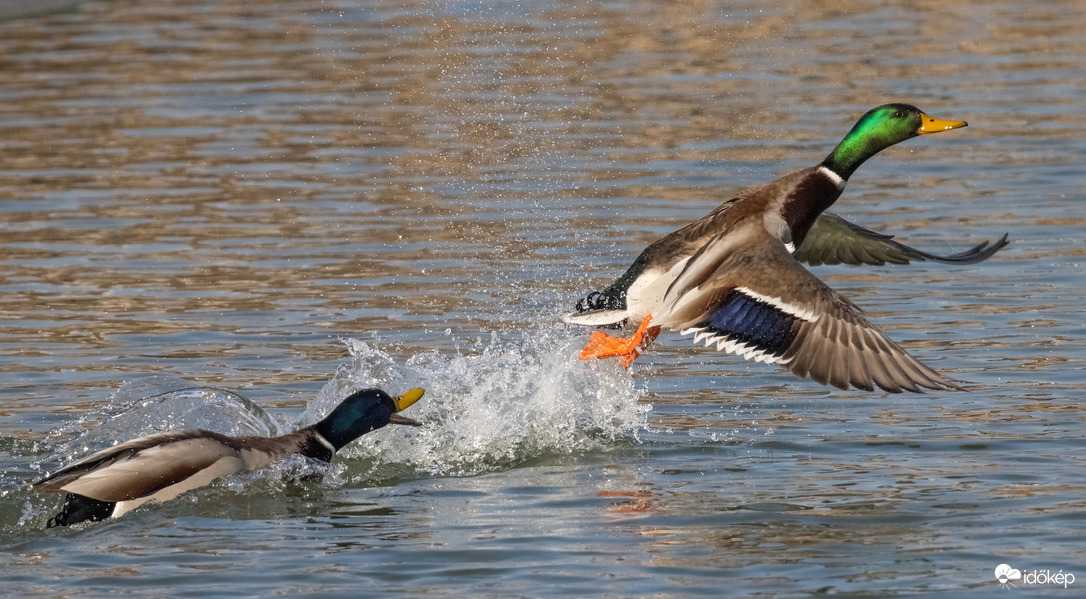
[
  {"x": 761, "y": 304},
  {"x": 834, "y": 240},
  {"x": 140, "y": 467}
]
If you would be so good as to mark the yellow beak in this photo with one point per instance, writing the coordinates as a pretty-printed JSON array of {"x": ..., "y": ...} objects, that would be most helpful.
[
  {"x": 933, "y": 125},
  {"x": 402, "y": 403}
]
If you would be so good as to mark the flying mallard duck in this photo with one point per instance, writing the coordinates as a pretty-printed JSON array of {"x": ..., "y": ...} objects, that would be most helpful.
[
  {"x": 162, "y": 466},
  {"x": 734, "y": 279}
]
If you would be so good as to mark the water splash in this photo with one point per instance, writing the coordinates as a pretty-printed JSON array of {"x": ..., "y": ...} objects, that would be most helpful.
[{"x": 523, "y": 396}]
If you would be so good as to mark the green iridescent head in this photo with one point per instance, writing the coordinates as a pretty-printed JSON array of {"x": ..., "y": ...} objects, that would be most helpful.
[
  {"x": 879, "y": 129},
  {"x": 364, "y": 411}
]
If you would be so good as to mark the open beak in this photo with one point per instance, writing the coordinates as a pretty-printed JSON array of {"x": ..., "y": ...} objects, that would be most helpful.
[
  {"x": 933, "y": 125},
  {"x": 402, "y": 403}
]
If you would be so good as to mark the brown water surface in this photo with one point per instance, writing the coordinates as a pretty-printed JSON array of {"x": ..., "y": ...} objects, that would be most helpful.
[{"x": 256, "y": 196}]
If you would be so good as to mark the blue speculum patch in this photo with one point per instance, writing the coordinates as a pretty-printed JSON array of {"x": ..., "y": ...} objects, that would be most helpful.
[{"x": 752, "y": 322}]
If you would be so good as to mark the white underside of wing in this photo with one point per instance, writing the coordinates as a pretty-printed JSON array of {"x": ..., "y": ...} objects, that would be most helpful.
[
  {"x": 222, "y": 467},
  {"x": 595, "y": 318},
  {"x": 128, "y": 475}
]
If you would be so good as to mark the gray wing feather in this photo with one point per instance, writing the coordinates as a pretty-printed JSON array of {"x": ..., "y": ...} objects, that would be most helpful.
[
  {"x": 142, "y": 466},
  {"x": 834, "y": 240}
]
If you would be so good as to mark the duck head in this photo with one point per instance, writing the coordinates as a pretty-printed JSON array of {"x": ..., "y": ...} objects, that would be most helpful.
[
  {"x": 364, "y": 411},
  {"x": 879, "y": 129}
]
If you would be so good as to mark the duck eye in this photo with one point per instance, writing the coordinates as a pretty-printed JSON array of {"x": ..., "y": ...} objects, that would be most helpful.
[{"x": 899, "y": 115}]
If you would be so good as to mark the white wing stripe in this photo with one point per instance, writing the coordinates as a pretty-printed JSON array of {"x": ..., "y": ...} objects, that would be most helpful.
[
  {"x": 734, "y": 346},
  {"x": 790, "y": 309}
]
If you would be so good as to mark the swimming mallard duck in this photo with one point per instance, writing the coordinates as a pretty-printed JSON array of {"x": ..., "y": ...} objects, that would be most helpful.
[
  {"x": 733, "y": 278},
  {"x": 162, "y": 466}
]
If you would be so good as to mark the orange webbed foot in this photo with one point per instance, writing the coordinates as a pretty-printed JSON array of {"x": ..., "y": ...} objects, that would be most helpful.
[{"x": 601, "y": 345}]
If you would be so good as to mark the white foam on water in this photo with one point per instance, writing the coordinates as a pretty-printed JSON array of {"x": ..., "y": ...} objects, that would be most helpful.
[{"x": 523, "y": 396}]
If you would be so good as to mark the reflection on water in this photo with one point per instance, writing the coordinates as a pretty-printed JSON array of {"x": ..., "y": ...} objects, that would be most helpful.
[{"x": 226, "y": 192}]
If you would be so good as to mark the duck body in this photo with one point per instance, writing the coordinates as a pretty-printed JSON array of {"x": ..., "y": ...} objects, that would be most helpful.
[
  {"x": 785, "y": 209},
  {"x": 162, "y": 466},
  {"x": 733, "y": 279}
]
